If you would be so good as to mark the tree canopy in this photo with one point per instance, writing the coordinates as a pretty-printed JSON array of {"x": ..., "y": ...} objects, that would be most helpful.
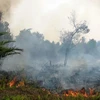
[
  {"x": 4, "y": 50},
  {"x": 72, "y": 37}
]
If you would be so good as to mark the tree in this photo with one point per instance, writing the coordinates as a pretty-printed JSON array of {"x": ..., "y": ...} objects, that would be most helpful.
[
  {"x": 6, "y": 41},
  {"x": 4, "y": 27},
  {"x": 5, "y": 50},
  {"x": 91, "y": 46},
  {"x": 71, "y": 37}
]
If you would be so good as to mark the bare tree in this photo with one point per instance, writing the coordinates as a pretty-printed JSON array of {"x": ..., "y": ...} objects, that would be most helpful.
[{"x": 70, "y": 37}]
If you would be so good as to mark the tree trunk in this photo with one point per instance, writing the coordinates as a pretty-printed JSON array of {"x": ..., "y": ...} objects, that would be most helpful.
[
  {"x": 66, "y": 57},
  {"x": 65, "y": 61}
]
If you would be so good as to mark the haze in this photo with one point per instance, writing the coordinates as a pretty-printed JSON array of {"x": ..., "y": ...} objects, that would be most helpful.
[{"x": 51, "y": 16}]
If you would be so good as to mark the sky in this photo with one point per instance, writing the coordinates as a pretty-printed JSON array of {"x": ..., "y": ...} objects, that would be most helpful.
[{"x": 49, "y": 17}]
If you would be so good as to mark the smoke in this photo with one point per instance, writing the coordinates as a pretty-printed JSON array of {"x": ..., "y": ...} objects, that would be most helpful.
[
  {"x": 50, "y": 16},
  {"x": 6, "y": 6},
  {"x": 43, "y": 60}
]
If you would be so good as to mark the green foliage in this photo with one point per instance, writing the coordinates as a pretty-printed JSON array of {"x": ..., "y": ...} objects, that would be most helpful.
[
  {"x": 18, "y": 97},
  {"x": 4, "y": 50},
  {"x": 3, "y": 33}
]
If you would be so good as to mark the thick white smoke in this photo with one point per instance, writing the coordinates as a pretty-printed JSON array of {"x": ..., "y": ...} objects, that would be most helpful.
[{"x": 43, "y": 61}]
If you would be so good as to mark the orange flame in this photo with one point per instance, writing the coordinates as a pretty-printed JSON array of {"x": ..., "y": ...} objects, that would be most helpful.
[
  {"x": 13, "y": 82},
  {"x": 92, "y": 91},
  {"x": 21, "y": 83},
  {"x": 82, "y": 92}
]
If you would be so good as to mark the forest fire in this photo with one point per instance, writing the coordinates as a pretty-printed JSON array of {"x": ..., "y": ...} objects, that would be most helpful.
[
  {"x": 13, "y": 82},
  {"x": 16, "y": 83},
  {"x": 83, "y": 92},
  {"x": 21, "y": 83},
  {"x": 69, "y": 92}
]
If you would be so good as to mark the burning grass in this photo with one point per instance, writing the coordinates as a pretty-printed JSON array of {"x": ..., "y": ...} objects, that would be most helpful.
[
  {"x": 15, "y": 88},
  {"x": 82, "y": 92},
  {"x": 31, "y": 93}
]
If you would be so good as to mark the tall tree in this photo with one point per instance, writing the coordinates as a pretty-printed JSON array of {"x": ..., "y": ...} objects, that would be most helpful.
[{"x": 70, "y": 37}]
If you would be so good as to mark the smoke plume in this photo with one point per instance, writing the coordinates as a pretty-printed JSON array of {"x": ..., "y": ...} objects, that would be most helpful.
[
  {"x": 43, "y": 61},
  {"x": 6, "y": 6}
]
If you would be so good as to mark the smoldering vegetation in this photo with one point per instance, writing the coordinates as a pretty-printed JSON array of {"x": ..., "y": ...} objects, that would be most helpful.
[{"x": 43, "y": 60}]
